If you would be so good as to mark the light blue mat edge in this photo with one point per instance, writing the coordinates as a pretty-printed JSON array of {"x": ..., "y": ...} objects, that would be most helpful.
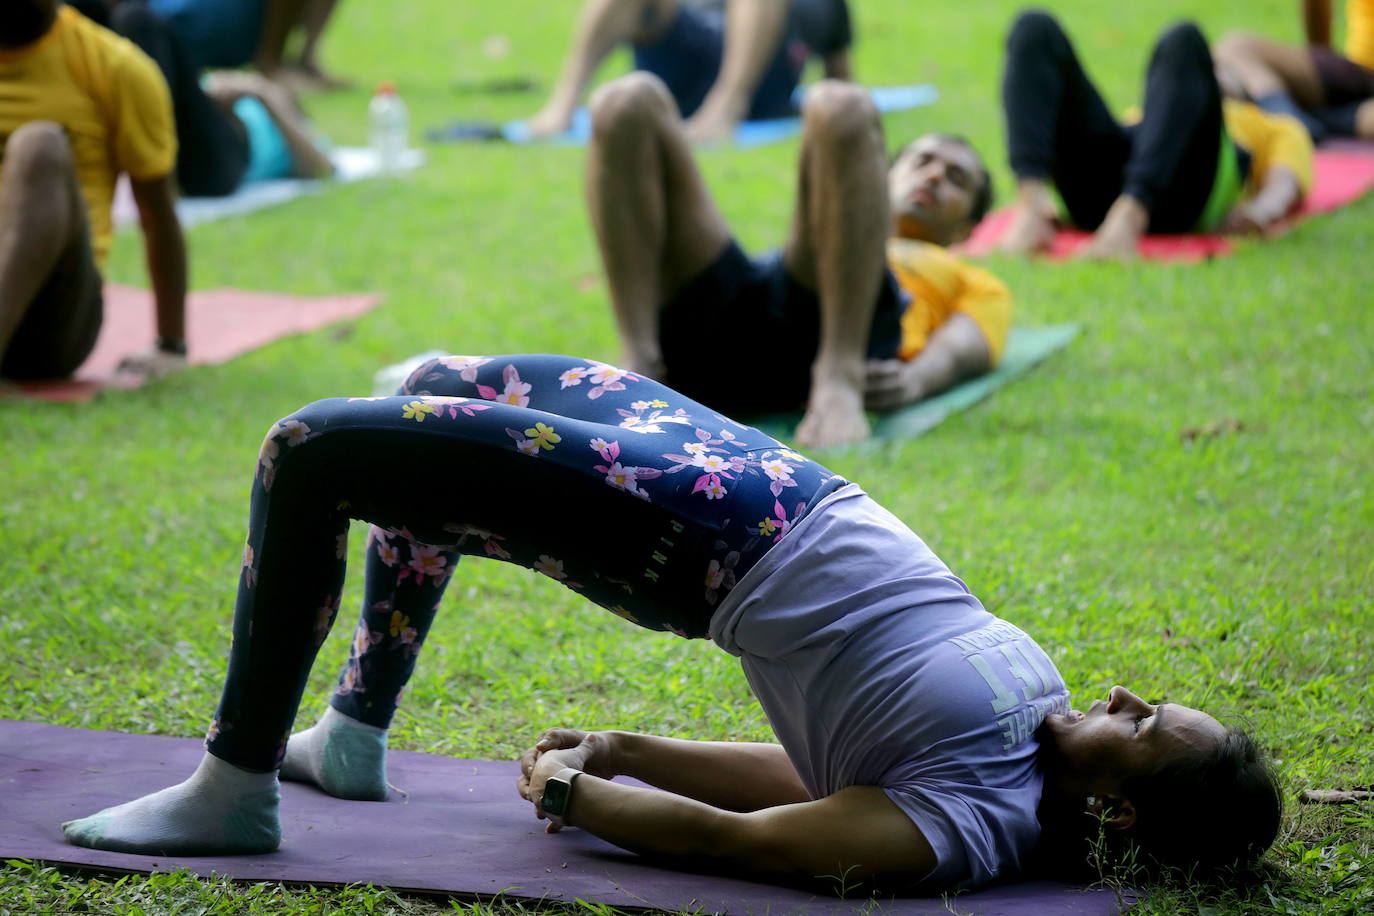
[
  {"x": 750, "y": 133},
  {"x": 1026, "y": 348}
]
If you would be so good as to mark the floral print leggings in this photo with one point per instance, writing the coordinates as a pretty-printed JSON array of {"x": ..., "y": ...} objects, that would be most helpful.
[{"x": 645, "y": 502}]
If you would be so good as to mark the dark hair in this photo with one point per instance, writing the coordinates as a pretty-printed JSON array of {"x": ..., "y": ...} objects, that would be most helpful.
[
  {"x": 1202, "y": 816},
  {"x": 982, "y": 191},
  {"x": 25, "y": 21}
]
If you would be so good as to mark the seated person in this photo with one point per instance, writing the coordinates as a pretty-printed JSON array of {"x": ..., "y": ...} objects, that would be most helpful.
[
  {"x": 1332, "y": 94},
  {"x": 923, "y": 742},
  {"x": 1193, "y": 163},
  {"x": 78, "y": 106},
  {"x": 224, "y": 137},
  {"x": 862, "y": 304},
  {"x": 721, "y": 66}
]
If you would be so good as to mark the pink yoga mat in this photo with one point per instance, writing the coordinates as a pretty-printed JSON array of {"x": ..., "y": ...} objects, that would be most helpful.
[
  {"x": 458, "y": 829},
  {"x": 1343, "y": 173},
  {"x": 220, "y": 324}
]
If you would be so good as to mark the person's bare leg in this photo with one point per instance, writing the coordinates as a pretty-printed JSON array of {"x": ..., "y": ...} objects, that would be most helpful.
[
  {"x": 655, "y": 221},
  {"x": 41, "y": 216},
  {"x": 838, "y": 246},
  {"x": 601, "y": 27},
  {"x": 1118, "y": 238},
  {"x": 314, "y": 18},
  {"x": 1033, "y": 219},
  {"x": 279, "y": 18},
  {"x": 752, "y": 34},
  {"x": 1364, "y": 120},
  {"x": 1261, "y": 66}
]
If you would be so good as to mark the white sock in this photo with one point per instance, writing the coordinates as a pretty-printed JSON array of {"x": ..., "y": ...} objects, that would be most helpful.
[
  {"x": 341, "y": 755},
  {"x": 221, "y": 809}
]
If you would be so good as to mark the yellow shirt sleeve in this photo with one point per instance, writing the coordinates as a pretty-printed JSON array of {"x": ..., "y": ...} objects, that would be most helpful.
[
  {"x": 940, "y": 285},
  {"x": 1271, "y": 139},
  {"x": 142, "y": 132},
  {"x": 1359, "y": 39}
]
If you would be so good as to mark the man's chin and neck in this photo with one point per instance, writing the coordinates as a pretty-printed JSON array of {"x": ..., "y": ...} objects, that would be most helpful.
[{"x": 917, "y": 230}]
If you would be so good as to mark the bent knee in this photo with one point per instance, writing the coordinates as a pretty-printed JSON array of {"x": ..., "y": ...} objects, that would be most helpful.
[
  {"x": 1183, "y": 39},
  {"x": 1238, "y": 45},
  {"x": 839, "y": 108},
  {"x": 1033, "y": 28},
  {"x": 38, "y": 147},
  {"x": 632, "y": 99}
]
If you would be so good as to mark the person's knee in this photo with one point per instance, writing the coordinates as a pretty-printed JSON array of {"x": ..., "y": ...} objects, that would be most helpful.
[
  {"x": 1183, "y": 44},
  {"x": 839, "y": 110},
  {"x": 632, "y": 99},
  {"x": 1034, "y": 29},
  {"x": 38, "y": 148},
  {"x": 1236, "y": 46}
]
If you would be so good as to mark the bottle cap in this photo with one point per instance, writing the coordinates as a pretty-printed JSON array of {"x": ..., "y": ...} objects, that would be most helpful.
[{"x": 386, "y": 87}]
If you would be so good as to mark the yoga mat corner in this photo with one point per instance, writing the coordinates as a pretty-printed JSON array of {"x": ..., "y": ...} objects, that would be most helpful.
[{"x": 459, "y": 829}]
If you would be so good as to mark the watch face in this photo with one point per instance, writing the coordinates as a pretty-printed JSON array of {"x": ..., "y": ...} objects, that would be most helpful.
[{"x": 555, "y": 800}]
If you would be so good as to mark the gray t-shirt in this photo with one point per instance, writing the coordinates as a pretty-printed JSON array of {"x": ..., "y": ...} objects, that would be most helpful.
[{"x": 876, "y": 666}]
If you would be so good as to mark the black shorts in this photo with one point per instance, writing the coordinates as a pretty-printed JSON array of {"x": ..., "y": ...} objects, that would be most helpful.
[
  {"x": 59, "y": 328},
  {"x": 1343, "y": 81},
  {"x": 741, "y": 336}
]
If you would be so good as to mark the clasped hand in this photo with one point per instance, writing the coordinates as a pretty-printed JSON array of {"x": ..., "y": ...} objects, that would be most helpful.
[{"x": 590, "y": 752}]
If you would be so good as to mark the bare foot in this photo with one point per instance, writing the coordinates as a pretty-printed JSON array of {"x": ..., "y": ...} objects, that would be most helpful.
[
  {"x": 549, "y": 121},
  {"x": 1116, "y": 239},
  {"x": 713, "y": 122},
  {"x": 1031, "y": 231},
  {"x": 834, "y": 416}
]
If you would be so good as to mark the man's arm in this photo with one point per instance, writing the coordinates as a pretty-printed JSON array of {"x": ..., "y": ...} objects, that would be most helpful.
[
  {"x": 165, "y": 251},
  {"x": 955, "y": 351},
  {"x": 857, "y": 834},
  {"x": 1316, "y": 22}
]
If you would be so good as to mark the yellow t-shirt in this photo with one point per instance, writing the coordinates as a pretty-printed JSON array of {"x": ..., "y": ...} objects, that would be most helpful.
[
  {"x": 109, "y": 97},
  {"x": 940, "y": 285},
  {"x": 1359, "y": 37},
  {"x": 1270, "y": 139}
]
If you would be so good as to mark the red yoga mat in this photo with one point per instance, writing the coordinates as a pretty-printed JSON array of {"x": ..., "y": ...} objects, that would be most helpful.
[
  {"x": 220, "y": 324},
  {"x": 1343, "y": 174}
]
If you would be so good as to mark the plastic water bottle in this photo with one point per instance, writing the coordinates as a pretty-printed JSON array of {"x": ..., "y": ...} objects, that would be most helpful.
[{"x": 388, "y": 128}]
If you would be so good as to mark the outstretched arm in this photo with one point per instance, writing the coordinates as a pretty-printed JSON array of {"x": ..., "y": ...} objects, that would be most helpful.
[
  {"x": 857, "y": 834},
  {"x": 1316, "y": 22},
  {"x": 735, "y": 775},
  {"x": 165, "y": 250},
  {"x": 954, "y": 352}
]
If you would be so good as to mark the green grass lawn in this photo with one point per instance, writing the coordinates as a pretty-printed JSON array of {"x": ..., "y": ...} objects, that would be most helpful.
[{"x": 1232, "y": 572}]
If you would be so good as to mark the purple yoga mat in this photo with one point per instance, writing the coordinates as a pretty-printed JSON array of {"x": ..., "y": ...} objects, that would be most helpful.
[{"x": 458, "y": 829}]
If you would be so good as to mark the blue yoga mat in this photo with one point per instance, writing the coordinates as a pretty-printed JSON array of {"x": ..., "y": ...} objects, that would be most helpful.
[
  {"x": 1026, "y": 347},
  {"x": 749, "y": 133}
]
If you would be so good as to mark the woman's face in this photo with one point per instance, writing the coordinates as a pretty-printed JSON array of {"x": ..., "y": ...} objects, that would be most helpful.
[{"x": 1123, "y": 736}]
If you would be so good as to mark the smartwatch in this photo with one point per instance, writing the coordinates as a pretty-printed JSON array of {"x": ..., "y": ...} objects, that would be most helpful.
[{"x": 558, "y": 793}]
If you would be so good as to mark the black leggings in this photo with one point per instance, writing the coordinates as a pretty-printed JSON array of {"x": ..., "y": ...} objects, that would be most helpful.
[
  {"x": 1059, "y": 128},
  {"x": 212, "y": 146}
]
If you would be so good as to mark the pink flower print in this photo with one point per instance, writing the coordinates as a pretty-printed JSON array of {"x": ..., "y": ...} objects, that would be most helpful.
[
  {"x": 381, "y": 398},
  {"x": 399, "y": 622},
  {"x": 543, "y": 436},
  {"x": 465, "y": 366},
  {"x": 267, "y": 455},
  {"x": 637, "y": 427},
  {"x": 351, "y": 681},
  {"x": 720, "y": 574},
  {"x": 639, "y": 405},
  {"x": 296, "y": 432},
  {"x": 621, "y": 476},
  {"x": 776, "y": 469},
  {"x": 515, "y": 392},
  {"x": 363, "y": 639},
  {"x": 600, "y": 445},
  {"x": 417, "y": 411},
  {"x": 713, "y": 488},
  {"x": 789, "y": 454},
  {"x": 550, "y": 567},
  {"x": 214, "y": 730},
  {"x": 426, "y": 561},
  {"x": 494, "y": 549},
  {"x": 573, "y": 376},
  {"x": 711, "y": 463},
  {"x": 388, "y": 554},
  {"x": 603, "y": 374},
  {"x": 528, "y": 446},
  {"x": 695, "y": 448},
  {"x": 250, "y": 575},
  {"x": 324, "y": 619}
]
